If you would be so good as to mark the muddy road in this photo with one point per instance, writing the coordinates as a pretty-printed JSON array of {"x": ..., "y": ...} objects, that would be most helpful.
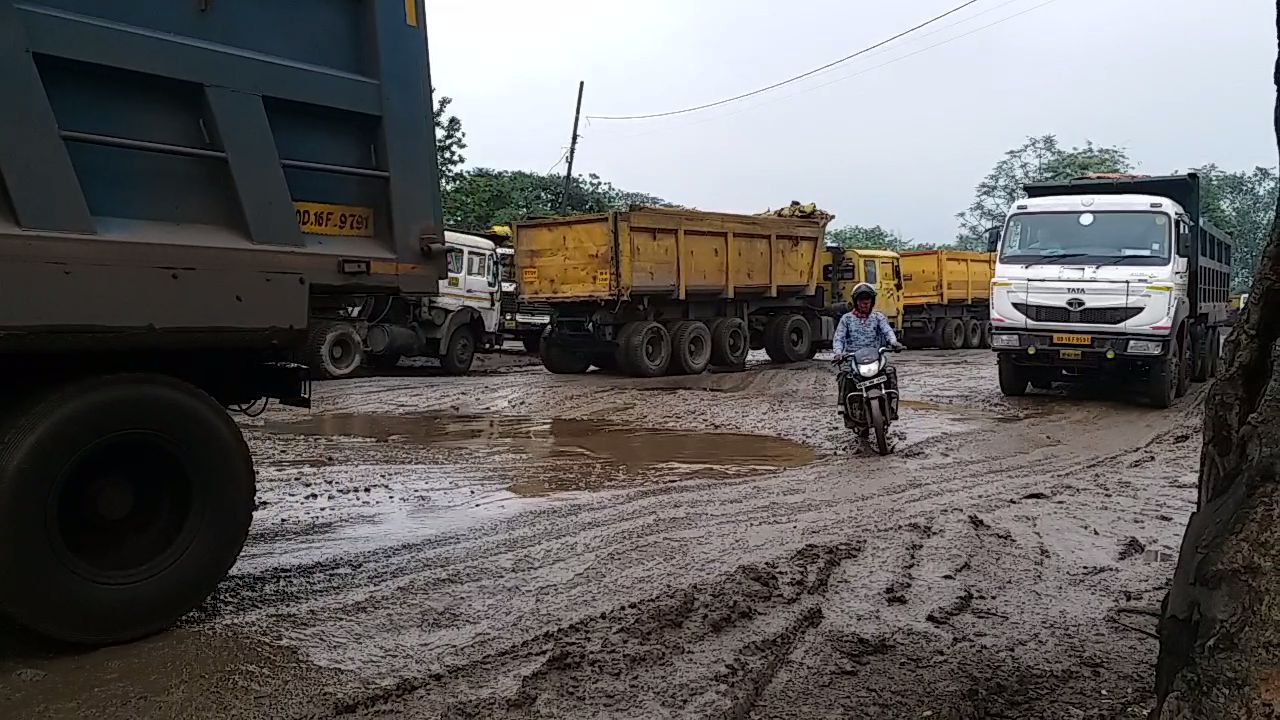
[{"x": 515, "y": 544}]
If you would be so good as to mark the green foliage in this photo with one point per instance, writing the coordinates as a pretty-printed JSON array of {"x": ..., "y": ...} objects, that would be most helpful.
[
  {"x": 866, "y": 238},
  {"x": 450, "y": 142},
  {"x": 1242, "y": 204},
  {"x": 1039, "y": 159},
  {"x": 482, "y": 197},
  {"x": 860, "y": 237}
]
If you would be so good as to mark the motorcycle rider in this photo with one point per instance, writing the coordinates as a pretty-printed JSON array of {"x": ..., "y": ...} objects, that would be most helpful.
[{"x": 865, "y": 327}]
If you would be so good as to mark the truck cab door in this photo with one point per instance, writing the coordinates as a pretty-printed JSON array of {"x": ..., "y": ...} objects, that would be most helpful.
[
  {"x": 480, "y": 287},
  {"x": 451, "y": 287},
  {"x": 889, "y": 292}
]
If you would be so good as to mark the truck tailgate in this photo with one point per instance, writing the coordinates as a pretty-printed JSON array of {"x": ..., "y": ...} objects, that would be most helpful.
[{"x": 566, "y": 258}]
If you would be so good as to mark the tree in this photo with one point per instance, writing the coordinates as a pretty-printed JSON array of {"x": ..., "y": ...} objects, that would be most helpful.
[
  {"x": 1039, "y": 159},
  {"x": 482, "y": 197},
  {"x": 450, "y": 142},
  {"x": 866, "y": 238},
  {"x": 1220, "y": 630},
  {"x": 1241, "y": 204}
]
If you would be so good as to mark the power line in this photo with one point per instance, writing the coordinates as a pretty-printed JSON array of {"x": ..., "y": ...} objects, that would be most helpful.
[
  {"x": 789, "y": 80},
  {"x": 864, "y": 71}
]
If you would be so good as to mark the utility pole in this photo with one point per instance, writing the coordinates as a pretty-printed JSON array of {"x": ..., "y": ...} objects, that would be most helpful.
[{"x": 573, "y": 146}]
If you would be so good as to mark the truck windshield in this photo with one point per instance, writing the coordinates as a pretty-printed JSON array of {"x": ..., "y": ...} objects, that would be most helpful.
[{"x": 1131, "y": 238}]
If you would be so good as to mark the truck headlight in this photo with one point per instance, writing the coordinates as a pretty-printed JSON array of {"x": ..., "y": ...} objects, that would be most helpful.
[
  {"x": 1145, "y": 347},
  {"x": 1005, "y": 340}
]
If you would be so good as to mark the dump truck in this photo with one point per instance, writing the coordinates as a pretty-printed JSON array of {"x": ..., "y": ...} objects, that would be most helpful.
[
  {"x": 652, "y": 291},
  {"x": 1116, "y": 276},
  {"x": 946, "y": 298},
  {"x": 188, "y": 187}
]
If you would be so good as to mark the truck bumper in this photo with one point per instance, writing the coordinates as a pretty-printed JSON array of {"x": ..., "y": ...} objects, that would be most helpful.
[{"x": 1072, "y": 351}]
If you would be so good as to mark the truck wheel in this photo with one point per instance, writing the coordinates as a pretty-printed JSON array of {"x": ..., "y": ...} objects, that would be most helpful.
[
  {"x": 644, "y": 349},
  {"x": 1162, "y": 382},
  {"x": 986, "y": 335},
  {"x": 953, "y": 334},
  {"x": 1013, "y": 379},
  {"x": 972, "y": 334},
  {"x": 606, "y": 361},
  {"x": 561, "y": 360},
  {"x": 532, "y": 342},
  {"x": 124, "y": 500},
  {"x": 460, "y": 353},
  {"x": 1215, "y": 352},
  {"x": 690, "y": 348},
  {"x": 788, "y": 338},
  {"x": 729, "y": 344},
  {"x": 1200, "y": 356},
  {"x": 1185, "y": 365},
  {"x": 334, "y": 350}
]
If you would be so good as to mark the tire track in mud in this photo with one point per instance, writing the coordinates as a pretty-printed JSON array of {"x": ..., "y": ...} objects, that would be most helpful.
[{"x": 753, "y": 617}]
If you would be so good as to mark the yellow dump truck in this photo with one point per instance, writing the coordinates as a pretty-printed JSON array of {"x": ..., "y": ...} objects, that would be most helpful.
[
  {"x": 656, "y": 290},
  {"x": 946, "y": 298}
]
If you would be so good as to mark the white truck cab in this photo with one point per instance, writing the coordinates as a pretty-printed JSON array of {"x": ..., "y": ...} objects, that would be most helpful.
[
  {"x": 1114, "y": 276},
  {"x": 451, "y": 326}
]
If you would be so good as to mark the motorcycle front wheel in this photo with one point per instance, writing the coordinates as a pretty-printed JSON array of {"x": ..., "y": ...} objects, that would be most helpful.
[{"x": 879, "y": 426}]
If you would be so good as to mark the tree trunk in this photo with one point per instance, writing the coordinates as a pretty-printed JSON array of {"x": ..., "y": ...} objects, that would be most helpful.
[{"x": 1220, "y": 633}]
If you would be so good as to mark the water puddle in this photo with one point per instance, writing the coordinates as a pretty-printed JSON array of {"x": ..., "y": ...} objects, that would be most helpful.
[{"x": 543, "y": 456}]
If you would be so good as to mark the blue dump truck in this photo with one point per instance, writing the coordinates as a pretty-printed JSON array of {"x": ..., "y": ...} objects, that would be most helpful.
[{"x": 194, "y": 195}]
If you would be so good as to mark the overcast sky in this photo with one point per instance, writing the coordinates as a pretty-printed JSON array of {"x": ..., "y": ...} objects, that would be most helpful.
[{"x": 1178, "y": 83}]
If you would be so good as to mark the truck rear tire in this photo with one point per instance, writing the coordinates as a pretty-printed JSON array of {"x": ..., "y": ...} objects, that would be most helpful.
[
  {"x": 460, "y": 353},
  {"x": 1013, "y": 378},
  {"x": 124, "y": 500},
  {"x": 953, "y": 335},
  {"x": 788, "y": 339},
  {"x": 972, "y": 334},
  {"x": 729, "y": 343},
  {"x": 644, "y": 349},
  {"x": 334, "y": 350},
  {"x": 1215, "y": 352},
  {"x": 560, "y": 360},
  {"x": 1200, "y": 356},
  {"x": 690, "y": 348}
]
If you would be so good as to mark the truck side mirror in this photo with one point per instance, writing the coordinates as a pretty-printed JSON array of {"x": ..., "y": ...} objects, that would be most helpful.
[
  {"x": 1185, "y": 248},
  {"x": 993, "y": 239},
  {"x": 897, "y": 276}
]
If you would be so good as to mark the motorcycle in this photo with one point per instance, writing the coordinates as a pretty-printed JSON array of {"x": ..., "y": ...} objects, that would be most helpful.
[{"x": 868, "y": 399}]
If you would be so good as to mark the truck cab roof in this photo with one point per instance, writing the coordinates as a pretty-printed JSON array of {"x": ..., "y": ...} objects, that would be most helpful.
[
  {"x": 472, "y": 242},
  {"x": 1096, "y": 203}
]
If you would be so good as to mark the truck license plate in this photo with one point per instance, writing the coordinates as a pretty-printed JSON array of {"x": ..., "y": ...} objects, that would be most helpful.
[
  {"x": 1070, "y": 354},
  {"x": 1072, "y": 340},
  {"x": 322, "y": 219}
]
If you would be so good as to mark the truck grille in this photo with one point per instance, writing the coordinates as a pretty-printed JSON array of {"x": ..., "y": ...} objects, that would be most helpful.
[
  {"x": 1088, "y": 316},
  {"x": 512, "y": 305}
]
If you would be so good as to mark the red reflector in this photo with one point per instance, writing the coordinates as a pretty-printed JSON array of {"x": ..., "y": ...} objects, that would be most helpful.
[
  {"x": 1161, "y": 327},
  {"x": 998, "y": 319}
]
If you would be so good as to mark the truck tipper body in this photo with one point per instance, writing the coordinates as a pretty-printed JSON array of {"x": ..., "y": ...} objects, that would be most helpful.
[
  {"x": 1110, "y": 276},
  {"x": 657, "y": 290},
  {"x": 191, "y": 192},
  {"x": 946, "y": 296}
]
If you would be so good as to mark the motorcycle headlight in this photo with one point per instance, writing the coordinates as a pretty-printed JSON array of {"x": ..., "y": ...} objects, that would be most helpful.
[{"x": 870, "y": 369}]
